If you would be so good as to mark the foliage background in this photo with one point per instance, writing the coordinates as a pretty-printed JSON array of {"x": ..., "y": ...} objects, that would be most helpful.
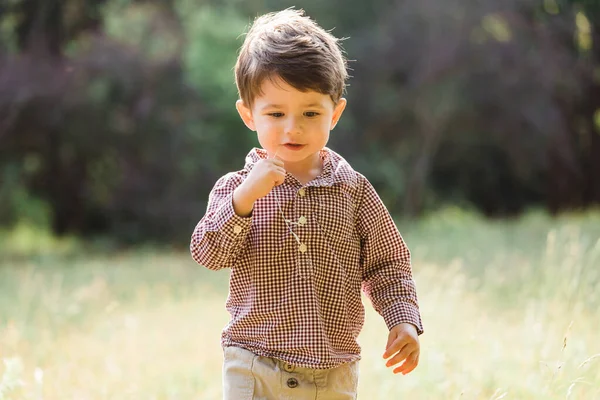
[{"x": 117, "y": 116}]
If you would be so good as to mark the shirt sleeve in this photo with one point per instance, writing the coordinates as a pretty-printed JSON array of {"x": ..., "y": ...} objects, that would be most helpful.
[
  {"x": 385, "y": 262},
  {"x": 221, "y": 234}
]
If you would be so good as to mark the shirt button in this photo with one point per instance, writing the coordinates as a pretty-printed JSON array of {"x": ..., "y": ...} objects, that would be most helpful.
[
  {"x": 302, "y": 192},
  {"x": 292, "y": 383},
  {"x": 237, "y": 229},
  {"x": 302, "y": 248},
  {"x": 302, "y": 220}
]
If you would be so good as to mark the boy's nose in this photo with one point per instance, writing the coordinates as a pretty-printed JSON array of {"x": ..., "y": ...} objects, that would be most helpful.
[{"x": 293, "y": 126}]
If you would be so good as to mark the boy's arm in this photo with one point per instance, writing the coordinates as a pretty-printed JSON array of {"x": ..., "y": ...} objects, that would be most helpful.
[
  {"x": 386, "y": 267},
  {"x": 220, "y": 235}
]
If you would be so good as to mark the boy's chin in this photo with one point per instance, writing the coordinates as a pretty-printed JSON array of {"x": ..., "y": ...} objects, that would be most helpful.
[{"x": 298, "y": 158}]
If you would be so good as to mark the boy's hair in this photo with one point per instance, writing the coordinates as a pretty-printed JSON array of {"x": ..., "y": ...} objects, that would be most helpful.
[{"x": 289, "y": 45}]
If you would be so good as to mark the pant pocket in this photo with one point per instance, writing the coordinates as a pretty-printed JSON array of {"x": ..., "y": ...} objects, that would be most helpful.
[
  {"x": 343, "y": 381},
  {"x": 238, "y": 381},
  {"x": 267, "y": 379}
]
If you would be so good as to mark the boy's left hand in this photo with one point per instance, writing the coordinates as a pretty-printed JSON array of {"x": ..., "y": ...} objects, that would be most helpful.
[{"x": 403, "y": 344}]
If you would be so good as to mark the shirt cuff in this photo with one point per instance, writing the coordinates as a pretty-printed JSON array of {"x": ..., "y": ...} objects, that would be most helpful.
[
  {"x": 403, "y": 313},
  {"x": 232, "y": 228}
]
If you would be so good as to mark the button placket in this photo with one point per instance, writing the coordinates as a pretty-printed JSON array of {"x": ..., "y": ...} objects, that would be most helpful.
[{"x": 304, "y": 261}]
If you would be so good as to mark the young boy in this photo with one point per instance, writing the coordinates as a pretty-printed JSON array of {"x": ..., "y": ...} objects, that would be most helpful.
[{"x": 301, "y": 231}]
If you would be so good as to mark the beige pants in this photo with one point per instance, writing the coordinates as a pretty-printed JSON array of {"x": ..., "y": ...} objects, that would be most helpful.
[{"x": 247, "y": 376}]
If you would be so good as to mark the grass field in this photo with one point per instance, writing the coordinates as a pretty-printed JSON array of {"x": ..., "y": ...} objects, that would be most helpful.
[{"x": 511, "y": 311}]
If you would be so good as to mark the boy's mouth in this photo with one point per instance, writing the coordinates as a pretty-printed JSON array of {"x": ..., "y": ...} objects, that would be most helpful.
[{"x": 293, "y": 146}]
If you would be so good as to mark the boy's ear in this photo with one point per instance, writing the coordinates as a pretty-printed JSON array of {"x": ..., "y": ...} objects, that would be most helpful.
[
  {"x": 245, "y": 114},
  {"x": 338, "y": 111}
]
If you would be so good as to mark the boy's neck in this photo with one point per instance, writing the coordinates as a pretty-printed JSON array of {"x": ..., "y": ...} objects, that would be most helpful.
[{"x": 306, "y": 170}]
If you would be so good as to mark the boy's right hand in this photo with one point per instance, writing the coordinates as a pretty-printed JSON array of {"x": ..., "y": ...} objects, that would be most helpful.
[{"x": 265, "y": 175}]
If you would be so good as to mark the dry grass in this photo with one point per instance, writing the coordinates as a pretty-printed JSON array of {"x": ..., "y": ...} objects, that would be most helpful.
[{"x": 510, "y": 311}]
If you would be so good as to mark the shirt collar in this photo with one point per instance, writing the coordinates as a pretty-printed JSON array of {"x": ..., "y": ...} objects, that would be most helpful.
[{"x": 336, "y": 169}]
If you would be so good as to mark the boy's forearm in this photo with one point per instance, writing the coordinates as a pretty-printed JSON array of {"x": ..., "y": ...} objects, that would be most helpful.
[{"x": 243, "y": 203}]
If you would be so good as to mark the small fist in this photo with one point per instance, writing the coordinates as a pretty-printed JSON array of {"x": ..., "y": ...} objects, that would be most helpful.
[
  {"x": 265, "y": 175},
  {"x": 403, "y": 345}
]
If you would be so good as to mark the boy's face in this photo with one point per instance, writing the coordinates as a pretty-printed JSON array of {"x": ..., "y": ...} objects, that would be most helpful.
[{"x": 294, "y": 125}]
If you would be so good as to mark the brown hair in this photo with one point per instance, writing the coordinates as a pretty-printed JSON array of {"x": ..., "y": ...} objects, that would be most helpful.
[{"x": 289, "y": 45}]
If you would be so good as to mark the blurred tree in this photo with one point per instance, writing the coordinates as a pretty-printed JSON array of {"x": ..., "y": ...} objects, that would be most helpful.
[
  {"x": 117, "y": 116},
  {"x": 30, "y": 107},
  {"x": 474, "y": 94},
  {"x": 100, "y": 121},
  {"x": 587, "y": 21}
]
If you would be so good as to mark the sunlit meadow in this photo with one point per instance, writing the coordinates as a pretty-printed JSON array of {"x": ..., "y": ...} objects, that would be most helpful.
[{"x": 510, "y": 308}]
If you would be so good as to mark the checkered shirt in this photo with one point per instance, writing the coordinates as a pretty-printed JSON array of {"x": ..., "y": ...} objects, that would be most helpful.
[{"x": 302, "y": 303}]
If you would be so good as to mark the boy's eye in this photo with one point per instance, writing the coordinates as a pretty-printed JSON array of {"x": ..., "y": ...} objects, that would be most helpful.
[
  {"x": 311, "y": 114},
  {"x": 276, "y": 114}
]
